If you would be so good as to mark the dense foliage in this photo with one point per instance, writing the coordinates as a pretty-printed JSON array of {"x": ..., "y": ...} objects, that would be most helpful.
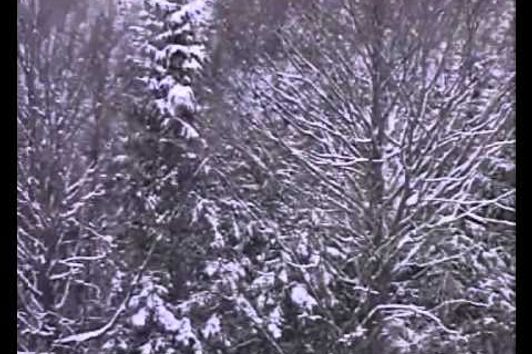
[{"x": 284, "y": 176}]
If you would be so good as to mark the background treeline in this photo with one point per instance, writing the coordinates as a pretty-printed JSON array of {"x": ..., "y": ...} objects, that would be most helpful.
[{"x": 275, "y": 176}]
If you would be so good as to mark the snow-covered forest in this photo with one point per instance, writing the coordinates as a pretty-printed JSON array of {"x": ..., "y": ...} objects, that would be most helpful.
[{"x": 266, "y": 176}]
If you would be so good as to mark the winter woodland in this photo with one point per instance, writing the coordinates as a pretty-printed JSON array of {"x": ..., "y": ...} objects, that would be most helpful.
[{"x": 266, "y": 176}]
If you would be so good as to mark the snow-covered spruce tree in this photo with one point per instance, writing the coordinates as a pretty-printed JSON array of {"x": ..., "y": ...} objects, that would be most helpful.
[
  {"x": 65, "y": 136},
  {"x": 244, "y": 274},
  {"x": 397, "y": 111},
  {"x": 233, "y": 300},
  {"x": 241, "y": 206},
  {"x": 163, "y": 166}
]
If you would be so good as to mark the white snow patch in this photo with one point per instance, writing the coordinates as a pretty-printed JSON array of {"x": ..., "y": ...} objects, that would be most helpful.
[
  {"x": 301, "y": 297},
  {"x": 181, "y": 96},
  {"x": 167, "y": 319},
  {"x": 334, "y": 252},
  {"x": 212, "y": 326},
  {"x": 263, "y": 281},
  {"x": 199, "y": 11},
  {"x": 185, "y": 331},
  {"x": 139, "y": 319},
  {"x": 353, "y": 336},
  {"x": 275, "y": 322},
  {"x": 283, "y": 276},
  {"x": 212, "y": 267},
  {"x": 188, "y": 131},
  {"x": 121, "y": 159},
  {"x": 146, "y": 348}
]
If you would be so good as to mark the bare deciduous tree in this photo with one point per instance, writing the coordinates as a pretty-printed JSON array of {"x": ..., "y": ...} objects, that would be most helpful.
[{"x": 394, "y": 108}]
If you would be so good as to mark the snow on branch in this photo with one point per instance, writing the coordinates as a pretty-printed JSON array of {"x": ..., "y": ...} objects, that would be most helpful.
[
  {"x": 409, "y": 308},
  {"x": 85, "y": 336}
]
